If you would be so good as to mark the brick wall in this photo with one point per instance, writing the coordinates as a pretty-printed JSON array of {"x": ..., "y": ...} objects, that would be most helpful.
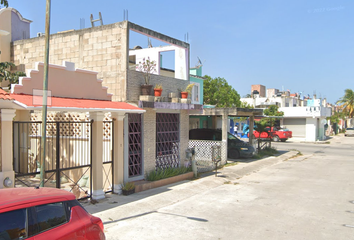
[
  {"x": 102, "y": 49},
  {"x": 149, "y": 139},
  {"x": 136, "y": 79}
]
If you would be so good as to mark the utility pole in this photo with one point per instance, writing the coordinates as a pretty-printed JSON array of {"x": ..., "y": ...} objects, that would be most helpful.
[{"x": 45, "y": 94}]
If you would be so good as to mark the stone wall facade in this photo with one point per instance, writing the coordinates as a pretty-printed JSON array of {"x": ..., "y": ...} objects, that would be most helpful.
[
  {"x": 102, "y": 49},
  {"x": 169, "y": 84},
  {"x": 149, "y": 140},
  {"x": 184, "y": 133}
]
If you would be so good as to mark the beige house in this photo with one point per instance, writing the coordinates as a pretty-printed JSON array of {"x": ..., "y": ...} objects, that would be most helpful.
[
  {"x": 82, "y": 125},
  {"x": 156, "y": 139}
]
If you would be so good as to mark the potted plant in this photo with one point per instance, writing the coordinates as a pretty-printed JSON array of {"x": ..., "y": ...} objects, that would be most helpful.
[
  {"x": 128, "y": 188},
  {"x": 147, "y": 67},
  {"x": 158, "y": 90},
  {"x": 184, "y": 94}
]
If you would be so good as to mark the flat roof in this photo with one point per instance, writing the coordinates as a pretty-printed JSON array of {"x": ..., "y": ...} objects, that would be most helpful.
[{"x": 31, "y": 102}]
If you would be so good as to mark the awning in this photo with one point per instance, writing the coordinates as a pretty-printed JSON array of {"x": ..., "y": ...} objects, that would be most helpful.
[{"x": 31, "y": 102}]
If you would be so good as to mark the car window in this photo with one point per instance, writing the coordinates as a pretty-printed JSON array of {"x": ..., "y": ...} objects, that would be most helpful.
[
  {"x": 32, "y": 222},
  {"x": 50, "y": 215},
  {"x": 233, "y": 137},
  {"x": 13, "y": 225}
]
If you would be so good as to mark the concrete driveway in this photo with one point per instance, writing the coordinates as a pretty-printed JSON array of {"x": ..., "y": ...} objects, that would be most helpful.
[{"x": 307, "y": 197}]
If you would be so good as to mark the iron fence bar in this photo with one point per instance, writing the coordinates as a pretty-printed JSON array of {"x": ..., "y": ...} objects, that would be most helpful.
[
  {"x": 112, "y": 155},
  {"x": 16, "y": 178},
  {"x": 57, "y": 155},
  {"x": 91, "y": 157},
  {"x": 50, "y": 171}
]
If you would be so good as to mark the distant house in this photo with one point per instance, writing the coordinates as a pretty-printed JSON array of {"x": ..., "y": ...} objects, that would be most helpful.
[{"x": 305, "y": 117}]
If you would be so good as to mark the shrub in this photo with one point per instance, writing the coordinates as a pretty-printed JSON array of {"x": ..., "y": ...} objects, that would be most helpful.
[
  {"x": 128, "y": 186},
  {"x": 268, "y": 151},
  {"x": 166, "y": 173}
]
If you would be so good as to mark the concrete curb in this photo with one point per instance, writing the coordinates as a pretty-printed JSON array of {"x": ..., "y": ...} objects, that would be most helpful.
[{"x": 117, "y": 208}]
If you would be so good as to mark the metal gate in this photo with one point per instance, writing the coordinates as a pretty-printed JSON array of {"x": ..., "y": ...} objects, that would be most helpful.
[
  {"x": 134, "y": 136},
  {"x": 167, "y": 140},
  {"x": 68, "y": 160}
]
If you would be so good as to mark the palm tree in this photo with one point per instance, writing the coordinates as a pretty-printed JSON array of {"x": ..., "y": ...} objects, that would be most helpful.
[
  {"x": 260, "y": 127},
  {"x": 5, "y": 3},
  {"x": 346, "y": 103}
]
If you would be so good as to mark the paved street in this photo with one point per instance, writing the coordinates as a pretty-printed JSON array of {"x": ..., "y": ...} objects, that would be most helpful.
[{"x": 308, "y": 197}]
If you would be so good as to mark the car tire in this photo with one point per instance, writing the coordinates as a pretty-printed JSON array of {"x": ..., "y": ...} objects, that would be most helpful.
[
  {"x": 276, "y": 139},
  {"x": 234, "y": 154}
]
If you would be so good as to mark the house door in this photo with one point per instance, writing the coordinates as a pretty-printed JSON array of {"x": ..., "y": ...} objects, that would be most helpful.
[{"x": 68, "y": 160}]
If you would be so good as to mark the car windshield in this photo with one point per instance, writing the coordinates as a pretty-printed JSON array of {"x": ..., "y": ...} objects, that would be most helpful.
[
  {"x": 283, "y": 130},
  {"x": 233, "y": 137}
]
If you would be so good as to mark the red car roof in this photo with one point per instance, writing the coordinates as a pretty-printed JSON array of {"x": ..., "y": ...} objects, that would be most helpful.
[{"x": 15, "y": 198}]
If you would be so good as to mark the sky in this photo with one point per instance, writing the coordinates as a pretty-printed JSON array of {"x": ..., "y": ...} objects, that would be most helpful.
[{"x": 303, "y": 46}]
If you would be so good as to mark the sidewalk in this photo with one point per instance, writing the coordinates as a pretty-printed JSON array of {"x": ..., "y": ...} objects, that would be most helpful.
[{"x": 117, "y": 208}]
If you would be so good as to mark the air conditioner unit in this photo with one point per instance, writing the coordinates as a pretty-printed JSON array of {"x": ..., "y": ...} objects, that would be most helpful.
[{"x": 39, "y": 34}]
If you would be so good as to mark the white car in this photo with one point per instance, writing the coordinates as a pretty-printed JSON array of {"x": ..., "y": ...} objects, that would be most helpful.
[{"x": 349, "y": 131}]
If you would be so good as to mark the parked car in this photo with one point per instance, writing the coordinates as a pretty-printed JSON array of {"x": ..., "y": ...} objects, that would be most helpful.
[
  {"x": 236, "y": 148},
  {"x": 274, "y": 133},
  {"x": 45, "y": 213},
  {"x": 349, "y": 132}
]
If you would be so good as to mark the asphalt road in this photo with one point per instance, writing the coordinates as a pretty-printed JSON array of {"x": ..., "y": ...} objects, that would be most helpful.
[{"x": 308, "y": 197}]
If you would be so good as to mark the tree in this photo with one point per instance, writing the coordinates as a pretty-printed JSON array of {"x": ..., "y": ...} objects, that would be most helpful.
[
  {"x": 5, "y": 3},
  {"x": 218, "y": 92},
  {"x": 260, "y": 127},
  {"x": 5, "y": 70},
  {"x": 346, "y": 103},
  {"x": 246, "y": 105},
  {"x": 272, "y": 111},
  {"x": 7, "y": 75}
]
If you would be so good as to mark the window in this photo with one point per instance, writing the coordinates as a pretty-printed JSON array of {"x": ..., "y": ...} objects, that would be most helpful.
[
  {"x": 195, "y": 93},
  {"x": 50, "y": 215},
  {"x": 13, "y": 225}
]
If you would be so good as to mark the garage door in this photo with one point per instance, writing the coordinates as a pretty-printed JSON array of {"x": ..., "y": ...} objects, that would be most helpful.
[{"x": 297, "y": 126}]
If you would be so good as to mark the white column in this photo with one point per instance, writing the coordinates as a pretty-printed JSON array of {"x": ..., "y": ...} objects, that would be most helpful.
[
  {"x": 118, "y": 165},
  {"x": 225, "y": 130},
  {"x": 7, "y": 116},
  {"x": 97, "y": 155}
]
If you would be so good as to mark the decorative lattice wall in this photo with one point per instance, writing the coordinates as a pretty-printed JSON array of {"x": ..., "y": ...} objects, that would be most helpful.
[{"x": 203, "y": 154}]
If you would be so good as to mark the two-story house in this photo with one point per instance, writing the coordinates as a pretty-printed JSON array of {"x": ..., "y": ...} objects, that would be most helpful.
[{"x": 157, "y": 138}]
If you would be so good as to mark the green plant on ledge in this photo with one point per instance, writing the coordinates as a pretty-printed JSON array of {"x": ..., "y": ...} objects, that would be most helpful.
[
  {"x": 158, "y": 86},
  {"x": 189, "y": 88},
  {"x": 166, "y": 173},
  {"x": 128, "y": 186}
]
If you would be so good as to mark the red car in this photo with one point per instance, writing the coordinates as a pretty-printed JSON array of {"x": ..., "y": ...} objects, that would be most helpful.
[
  {"x": 45, "y": 213},
  {"x": 274, "y": 133}
]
